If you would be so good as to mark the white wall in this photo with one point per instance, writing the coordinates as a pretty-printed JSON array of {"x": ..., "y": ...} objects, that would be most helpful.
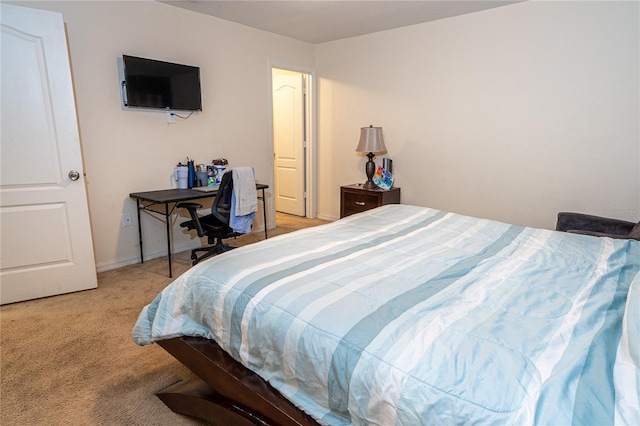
[
  {"x": 514, "y": 113},
  {"x": 130, "y": 150}
]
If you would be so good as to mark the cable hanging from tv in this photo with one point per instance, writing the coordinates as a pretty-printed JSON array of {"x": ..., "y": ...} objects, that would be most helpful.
[{"x": 182, "y": 117}]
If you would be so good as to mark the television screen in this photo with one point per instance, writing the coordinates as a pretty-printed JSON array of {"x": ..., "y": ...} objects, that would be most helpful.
[{"x": 157, "y": 84}]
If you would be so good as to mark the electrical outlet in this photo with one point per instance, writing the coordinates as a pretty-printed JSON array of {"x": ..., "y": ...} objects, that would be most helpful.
[
  {"x": 127, "y": 220},
  {"x": 171, "y": 118}
]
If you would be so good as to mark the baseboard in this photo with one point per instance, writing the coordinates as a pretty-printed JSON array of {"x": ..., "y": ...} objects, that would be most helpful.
[
  {"x": 119, "y": 263},
  {"x": 108, "y": 266},
  {"x": 328, "y": 218},
  {"x": 179, "y": 248}
]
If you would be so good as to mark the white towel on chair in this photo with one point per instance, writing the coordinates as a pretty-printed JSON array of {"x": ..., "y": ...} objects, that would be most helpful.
[{"x": 244, "y": 188}]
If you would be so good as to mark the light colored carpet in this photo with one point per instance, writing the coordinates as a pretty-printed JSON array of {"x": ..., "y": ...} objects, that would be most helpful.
[{"x": 70, "y": 359}]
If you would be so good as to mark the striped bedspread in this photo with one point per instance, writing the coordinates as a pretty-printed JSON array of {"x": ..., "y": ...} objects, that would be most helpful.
[{"x": 408, "y": 315}]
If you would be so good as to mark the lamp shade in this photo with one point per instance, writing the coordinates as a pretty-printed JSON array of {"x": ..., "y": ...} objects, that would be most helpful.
[{"x": 371, "y": 140}]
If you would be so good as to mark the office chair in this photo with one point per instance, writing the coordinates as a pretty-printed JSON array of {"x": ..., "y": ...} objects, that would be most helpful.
[
  {"x": 215, "y": 225},
  {"x": 580, "y": 223}
]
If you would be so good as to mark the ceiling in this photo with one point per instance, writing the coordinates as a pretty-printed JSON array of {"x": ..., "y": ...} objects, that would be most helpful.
[{"x": 323, "y": 21}]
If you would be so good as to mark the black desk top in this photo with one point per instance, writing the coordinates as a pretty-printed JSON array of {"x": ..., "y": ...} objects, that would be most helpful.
[{"x": 176, "y": 195}]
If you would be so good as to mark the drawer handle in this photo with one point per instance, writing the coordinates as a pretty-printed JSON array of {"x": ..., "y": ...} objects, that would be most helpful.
[{"x": 360, "y": 203}]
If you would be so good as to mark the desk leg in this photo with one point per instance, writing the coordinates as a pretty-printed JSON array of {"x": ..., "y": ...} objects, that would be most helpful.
[
  {"x": 139, "y": 230},
  {"x": 264, "y": 213},
  {"x": 167, "y": 221}
]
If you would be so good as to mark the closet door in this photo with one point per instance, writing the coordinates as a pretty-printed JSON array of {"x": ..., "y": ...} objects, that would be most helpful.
[{"x": 289, "y": 141}]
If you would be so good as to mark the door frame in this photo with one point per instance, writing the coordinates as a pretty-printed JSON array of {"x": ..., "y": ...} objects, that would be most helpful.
[{"x": 311, "y": 132}]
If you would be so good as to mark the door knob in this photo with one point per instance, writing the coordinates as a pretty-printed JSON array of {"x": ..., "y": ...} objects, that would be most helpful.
[{"x": 74, "y": 175}]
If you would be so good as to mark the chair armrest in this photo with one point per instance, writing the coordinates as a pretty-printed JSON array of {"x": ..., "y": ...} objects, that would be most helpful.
[
  {"x": 194, "y": 223},
  {"x": 568, "y": 221}
]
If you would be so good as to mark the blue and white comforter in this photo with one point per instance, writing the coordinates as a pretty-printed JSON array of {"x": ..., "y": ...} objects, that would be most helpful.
[{"x": 408, "y": 315}]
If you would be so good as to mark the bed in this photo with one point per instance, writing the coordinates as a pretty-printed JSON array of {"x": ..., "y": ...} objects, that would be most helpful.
[{"x": 407, "y": 315}]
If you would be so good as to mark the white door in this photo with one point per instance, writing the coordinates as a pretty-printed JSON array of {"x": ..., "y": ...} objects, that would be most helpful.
[
  {"x": 44, "y": 219},
  {"x": 289, "y": 138}
]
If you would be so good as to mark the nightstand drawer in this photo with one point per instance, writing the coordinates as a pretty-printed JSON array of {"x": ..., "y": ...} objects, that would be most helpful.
[
  {"x": 356, "y": 203},
  {"x": 355, "y": 198}
]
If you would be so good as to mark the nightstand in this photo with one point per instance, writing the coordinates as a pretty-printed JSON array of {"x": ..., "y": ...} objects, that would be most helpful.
[{"x": 355, "y": 199}]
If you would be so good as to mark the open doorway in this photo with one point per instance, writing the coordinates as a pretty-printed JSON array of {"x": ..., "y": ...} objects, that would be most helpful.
[{"x": 292, "y": 134}]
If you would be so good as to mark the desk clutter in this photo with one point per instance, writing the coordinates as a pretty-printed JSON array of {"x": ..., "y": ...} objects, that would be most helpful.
[
  {"x": 162, "y": 203},
  {"x": 200, "y": 175}
]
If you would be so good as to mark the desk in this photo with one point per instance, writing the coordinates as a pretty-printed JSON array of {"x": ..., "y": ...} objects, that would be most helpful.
[{"x": 147, "y": 200}]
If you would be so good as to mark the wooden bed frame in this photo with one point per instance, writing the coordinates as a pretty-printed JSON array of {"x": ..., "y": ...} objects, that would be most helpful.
[{"x": 229, "y": 393}]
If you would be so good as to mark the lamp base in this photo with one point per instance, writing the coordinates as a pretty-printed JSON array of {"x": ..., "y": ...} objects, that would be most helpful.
[{"x": 370, "y": 169}]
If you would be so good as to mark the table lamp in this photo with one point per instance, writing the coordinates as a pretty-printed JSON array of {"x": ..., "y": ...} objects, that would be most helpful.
[{"x": 371, "y": 141}]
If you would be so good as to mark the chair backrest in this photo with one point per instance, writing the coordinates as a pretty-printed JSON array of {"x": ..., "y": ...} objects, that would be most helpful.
[{"x": 221, "y": 207}]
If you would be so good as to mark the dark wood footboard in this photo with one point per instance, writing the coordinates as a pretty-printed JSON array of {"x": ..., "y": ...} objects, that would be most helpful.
[{"x": 229, "y": 393}]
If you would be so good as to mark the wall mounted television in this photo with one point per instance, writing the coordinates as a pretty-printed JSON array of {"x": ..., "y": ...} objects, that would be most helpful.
[{"x": 150, "y": 83}]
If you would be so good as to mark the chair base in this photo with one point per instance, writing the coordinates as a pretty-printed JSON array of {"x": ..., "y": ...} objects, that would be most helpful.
[{"x": 218, "y": 248}]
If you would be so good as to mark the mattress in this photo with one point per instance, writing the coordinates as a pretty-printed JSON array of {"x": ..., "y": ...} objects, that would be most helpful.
[{"x": 408, "y": 315}]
